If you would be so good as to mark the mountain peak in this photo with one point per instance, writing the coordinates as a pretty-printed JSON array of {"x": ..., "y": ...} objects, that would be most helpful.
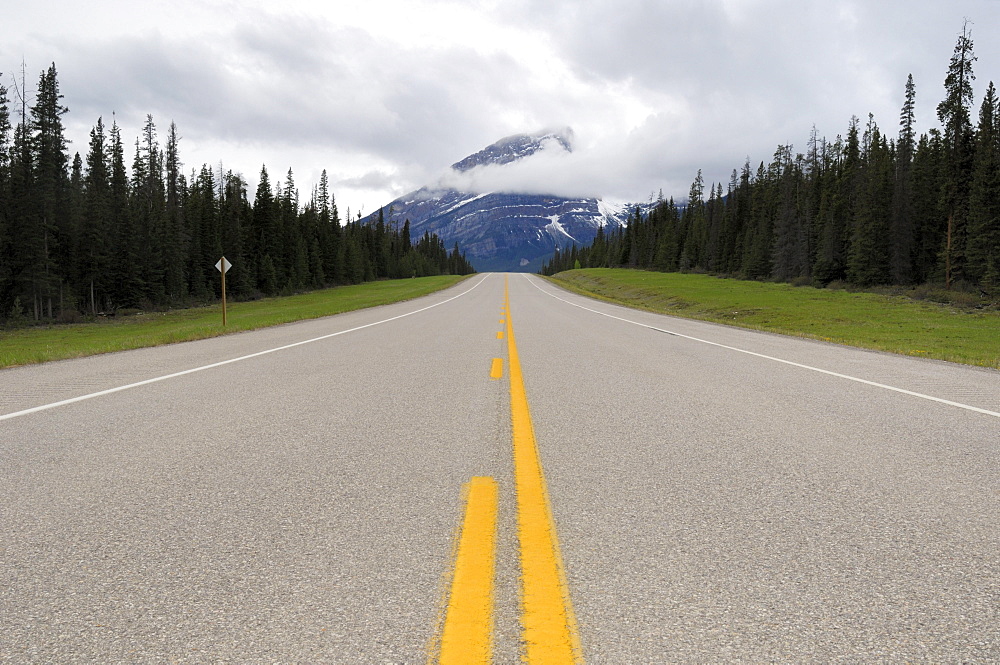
[
  {"x": 518, "y": 146},
  {"x": 506, "y": 230}
]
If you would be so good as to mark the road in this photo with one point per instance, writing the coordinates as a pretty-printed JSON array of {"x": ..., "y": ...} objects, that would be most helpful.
[{"x": 298, "y": 494}]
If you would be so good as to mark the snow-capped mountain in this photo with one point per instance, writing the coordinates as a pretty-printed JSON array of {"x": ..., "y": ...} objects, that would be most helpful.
[{"x": 501, "y": 230}]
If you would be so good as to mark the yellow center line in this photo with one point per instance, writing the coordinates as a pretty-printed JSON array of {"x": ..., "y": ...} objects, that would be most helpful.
[
  {"x": 548, "y": 626},
  {"x": 496, "y": 370},
  {"x": 468, "y": 625},
  {"x": 499, "y": 334}
]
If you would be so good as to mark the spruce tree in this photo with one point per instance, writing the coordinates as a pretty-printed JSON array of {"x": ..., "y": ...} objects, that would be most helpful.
[
  {"x": 127, "y": 285},
  {"x": 72, "y": 295},
  {"x": 901, "y": 226},
  {"x": 93, "y": 257},
  {"x": 868, "y": 258},
  {"x": 984, "y": 197},
  {"x": 6, "y": 249},
  {"x": 928, "y": 206},
  {"x": 173, "y": 235},
  {"x": 264, "y": 238},
  {"x": 954, "y": 114},
  {"x": 48, "y": 192}
]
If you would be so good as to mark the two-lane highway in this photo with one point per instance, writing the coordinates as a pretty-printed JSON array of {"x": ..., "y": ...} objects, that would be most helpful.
[{"x": 717, "y": 494}]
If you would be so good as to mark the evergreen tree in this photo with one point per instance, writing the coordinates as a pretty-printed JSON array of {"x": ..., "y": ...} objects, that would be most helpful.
[
  {"x": 49, "y": 188},
  {"x": 264, "y": 235},
  {"x": 294, "y": 256},
  {"x": 128, "y": 288},
  {"x": 202, "y": 213},
  {"x": 901, "y": 242},
  {"x": 790, "y": 251},
  {"x": 693, "y": 225},
  {"x": 832, "y": 251},
  {"x": 954, "y": 114},
  {"x": 984, "y": 197},
  {"x": 928, "y": 206},
  {"x": 757, "y": 263},
  {"x": 6, "y": 249},
  {"x": 147, "y": 204},
  {"x": 93, "y": 256},
  {"x": 71, "y": 294},
  {"x": 173, "y": 234},
  {"x": 868, "y": 260}
]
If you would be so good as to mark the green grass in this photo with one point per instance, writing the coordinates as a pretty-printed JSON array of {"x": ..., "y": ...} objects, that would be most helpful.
[
  {"x": 887, "y": 323},
  {"x": 40, "y": 344}
]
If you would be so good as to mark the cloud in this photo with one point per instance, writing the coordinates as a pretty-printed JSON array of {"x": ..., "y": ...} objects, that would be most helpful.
[
  {"x": 385, "y": 95},
  {"x": 612, "y": 167},
  {"x": 728, "y": 79}
]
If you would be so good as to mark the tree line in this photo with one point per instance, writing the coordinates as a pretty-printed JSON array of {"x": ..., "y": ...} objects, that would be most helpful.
[
  {"x": 86, "y": 235},
  {"x": 866, "y": 210}
]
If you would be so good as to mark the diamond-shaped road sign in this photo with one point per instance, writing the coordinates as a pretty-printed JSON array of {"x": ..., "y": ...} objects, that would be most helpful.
[{"x": 223, "y": 265}]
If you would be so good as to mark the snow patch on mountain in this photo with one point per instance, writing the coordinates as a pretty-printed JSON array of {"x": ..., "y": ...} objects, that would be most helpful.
[
  {"x": 612, "y": 210},
  {"x": 555, "y": 228}
]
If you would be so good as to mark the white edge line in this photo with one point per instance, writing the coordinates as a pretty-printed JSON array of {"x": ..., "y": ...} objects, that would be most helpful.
[
  {"x": 778, "y": 360},
  {"x": 73, "y": 400}
]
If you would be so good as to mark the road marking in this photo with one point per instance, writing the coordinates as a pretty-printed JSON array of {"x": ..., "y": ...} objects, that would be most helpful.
[
  {"x": 137, "y": 384},
  {"x": 499, "y": 334},
  {"x": 496, "y": 370},
  {"x": 875, "y": 384},
  {"x": 549, "y": 628},
  {"x": 468, "y": 624}
]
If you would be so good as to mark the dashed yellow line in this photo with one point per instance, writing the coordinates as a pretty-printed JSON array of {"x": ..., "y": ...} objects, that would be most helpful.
[
  {"x": 549, "y": 628},
  {"x": 468, "y": 627},
  {"x": 499, "y": 334},
  {"x": 496, "y": 369}
]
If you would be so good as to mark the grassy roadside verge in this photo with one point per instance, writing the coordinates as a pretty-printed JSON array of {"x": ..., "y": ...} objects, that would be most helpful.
[
  {"x": 35, "y": 345},
  {"x": 885, "y": 323}
]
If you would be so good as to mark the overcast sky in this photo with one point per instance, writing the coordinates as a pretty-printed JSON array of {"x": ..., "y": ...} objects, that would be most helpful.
[{"x": 386, "y": 94}]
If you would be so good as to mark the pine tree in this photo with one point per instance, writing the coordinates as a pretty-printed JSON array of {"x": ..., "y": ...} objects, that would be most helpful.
[
  {"x": 840, "y": 204},
  {"x": 757, "y": 260},
  {"x": 6, "y": 249},
  {"x": 984, "y": 196},
  {"x": 954, "y": 114},
  {"x": 72, "y": 293},
  {"x": 202, "y": 214},
  {"x": 263, "y": 236},
  {"x": 790, "y": 251},
  {"x": 173, "y": 235},
  {"x": 49, "y": 192},
  {"x": 928, "y": 206},
  {"x": 868, "y": 257},
  {"x": 127, "y": 284},
  {"x": 93, "y": 257},
  {"x": 288, "y": 249},
  {"x": 901, "y": 226},
  {"x": 234, "y": 223},
  {"x": 694, "y": 231}
]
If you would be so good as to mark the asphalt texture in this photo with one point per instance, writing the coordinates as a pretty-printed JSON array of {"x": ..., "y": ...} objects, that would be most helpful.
[{"x": 302, "y": 505}]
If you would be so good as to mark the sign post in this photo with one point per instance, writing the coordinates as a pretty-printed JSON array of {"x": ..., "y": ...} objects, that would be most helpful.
[{"x": 223, "y": 267}]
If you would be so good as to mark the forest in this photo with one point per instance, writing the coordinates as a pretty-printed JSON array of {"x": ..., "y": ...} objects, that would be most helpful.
[
  {"x": 864, "y": 210},
  {"x": 87, "y": 236}
]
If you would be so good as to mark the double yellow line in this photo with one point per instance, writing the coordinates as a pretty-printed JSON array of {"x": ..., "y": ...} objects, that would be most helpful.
[{"x": 549, "y": 631}]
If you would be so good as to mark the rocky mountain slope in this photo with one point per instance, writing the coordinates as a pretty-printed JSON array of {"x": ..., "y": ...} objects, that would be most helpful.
[{"x": 501, "y": 230}]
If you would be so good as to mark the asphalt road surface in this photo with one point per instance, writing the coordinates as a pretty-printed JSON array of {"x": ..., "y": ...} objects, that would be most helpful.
[{"x": 719, "y": 495}]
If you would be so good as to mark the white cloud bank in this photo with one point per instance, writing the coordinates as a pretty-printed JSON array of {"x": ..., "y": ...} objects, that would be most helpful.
[{"x": 385, "y": 94}]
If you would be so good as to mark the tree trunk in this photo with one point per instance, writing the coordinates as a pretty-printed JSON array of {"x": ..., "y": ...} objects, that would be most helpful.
[{"x": 947, "y": 254}]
